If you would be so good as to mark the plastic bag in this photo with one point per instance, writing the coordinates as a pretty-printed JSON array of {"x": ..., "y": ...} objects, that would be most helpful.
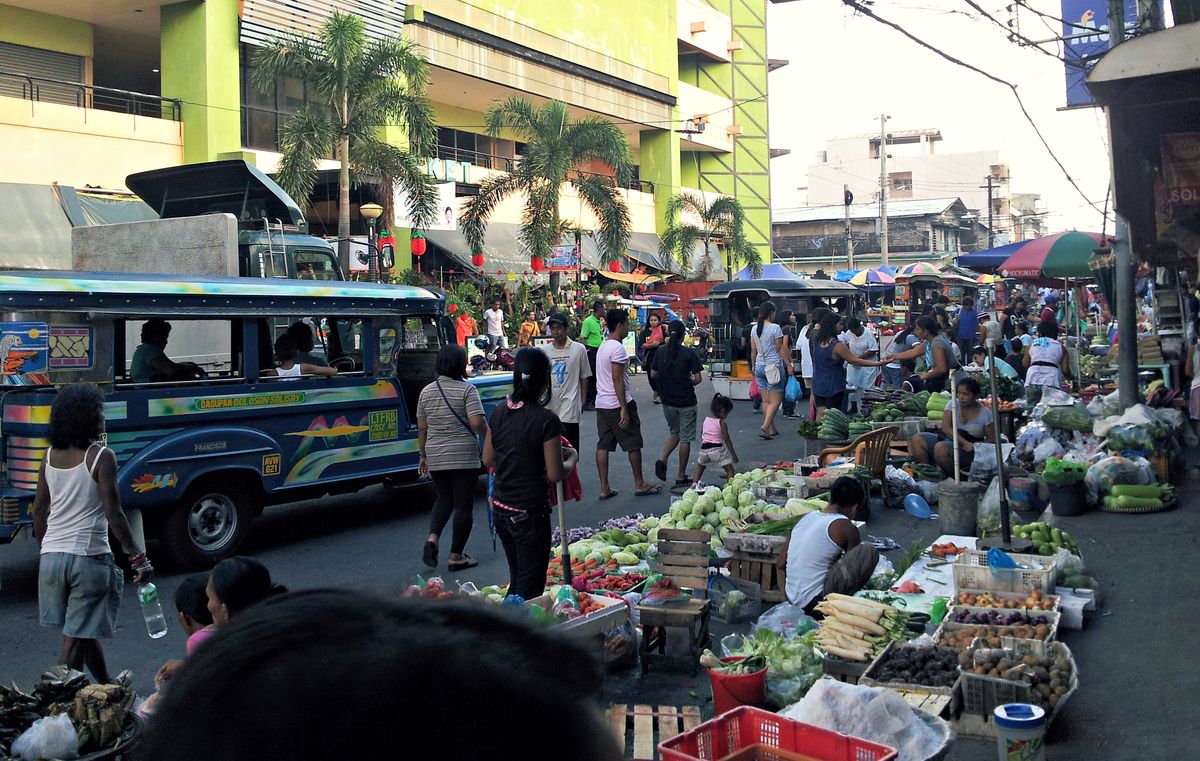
[
  {"x": 1047, "y": 449},
  {"x": 989, "y": 509},
  {"x": 791, "y": 391},
  {"x": 51, "y": 737},
  {"x": 620, "y": 647},
  {"x": 1067, "y": 564},
  {"x": 985, "y": 457},
  {"x": 1116, "y": 469},
  {"x": 755, "y": 393},
  {"x": 789, "y": 620}
]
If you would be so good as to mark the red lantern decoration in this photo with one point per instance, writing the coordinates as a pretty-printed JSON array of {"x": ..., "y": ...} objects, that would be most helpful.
[
  {"x": 614, "y": 265},
  {"x": 417, "y": 244},
  {"x": 477, "y": 259},
  {"x": 536, "y": 264},
  {"x": 453, "y": 308}
]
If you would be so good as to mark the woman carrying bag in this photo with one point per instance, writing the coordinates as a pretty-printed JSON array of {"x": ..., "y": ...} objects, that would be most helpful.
[{"x": 450, "y": 421}]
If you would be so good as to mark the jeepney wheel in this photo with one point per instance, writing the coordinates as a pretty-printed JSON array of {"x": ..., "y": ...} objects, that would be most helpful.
[{"x": 209, "y": 524}]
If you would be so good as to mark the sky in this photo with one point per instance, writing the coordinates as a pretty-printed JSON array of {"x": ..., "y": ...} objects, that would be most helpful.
[{"x": 847, "y": 69}]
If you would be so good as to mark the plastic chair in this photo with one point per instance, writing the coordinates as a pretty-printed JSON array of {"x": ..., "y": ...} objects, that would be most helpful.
[{"x": 870, "y": 450}]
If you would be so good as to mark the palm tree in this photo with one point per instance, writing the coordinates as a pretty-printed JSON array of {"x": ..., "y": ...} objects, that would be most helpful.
[
  {"x": 356, "y": 86},
  {"x": 554, "y": 146},
  {"x": 722, "y": 222}
]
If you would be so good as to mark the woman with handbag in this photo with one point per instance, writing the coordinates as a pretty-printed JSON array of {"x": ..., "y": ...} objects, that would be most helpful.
[
  {"x": 767, "y": 346},
  {"x": 450, "y": 421}
]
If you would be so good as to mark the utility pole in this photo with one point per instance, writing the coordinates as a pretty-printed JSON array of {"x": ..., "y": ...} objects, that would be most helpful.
[
  {"x": 883, "y": 183},
  {"x": 991, "y": 235},
  {"x": 848, "y": 198}
]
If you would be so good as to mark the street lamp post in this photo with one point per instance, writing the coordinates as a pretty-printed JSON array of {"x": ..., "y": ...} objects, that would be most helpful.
[{"x": 371, "y": 212}]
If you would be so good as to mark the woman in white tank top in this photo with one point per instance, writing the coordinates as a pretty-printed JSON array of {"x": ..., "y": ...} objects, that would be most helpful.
[{"x": 79, "y": 584}]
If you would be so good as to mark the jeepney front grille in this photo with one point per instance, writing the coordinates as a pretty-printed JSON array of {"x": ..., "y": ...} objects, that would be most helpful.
[
  {"x": 10, "y": 510},
  {"x": 24, "y": 460}
]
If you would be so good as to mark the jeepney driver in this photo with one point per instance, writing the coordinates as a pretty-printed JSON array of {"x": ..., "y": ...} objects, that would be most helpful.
[{"x": 150, "y": 362}]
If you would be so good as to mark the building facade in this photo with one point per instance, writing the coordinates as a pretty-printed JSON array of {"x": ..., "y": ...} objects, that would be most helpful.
[
  {"x": 814, "y": 238},
  {"x": 95, "y": 91}
]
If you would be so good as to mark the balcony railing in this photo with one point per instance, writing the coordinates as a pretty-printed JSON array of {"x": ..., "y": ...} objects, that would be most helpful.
[
  {"x": 509, "y": 163},
  {"x": 82, "y": 95}
]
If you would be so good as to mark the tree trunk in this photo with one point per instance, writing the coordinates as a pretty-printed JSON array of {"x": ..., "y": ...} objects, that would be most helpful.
[{"x": 344, "y": 206}]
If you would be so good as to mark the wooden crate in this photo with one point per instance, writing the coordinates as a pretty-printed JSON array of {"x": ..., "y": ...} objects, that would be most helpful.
[
  {"x": 762, "y": 571},
  {"x": 640, "y": 728}
]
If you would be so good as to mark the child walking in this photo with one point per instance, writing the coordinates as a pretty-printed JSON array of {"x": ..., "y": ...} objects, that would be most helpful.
[{"x": 716, "y": 447}]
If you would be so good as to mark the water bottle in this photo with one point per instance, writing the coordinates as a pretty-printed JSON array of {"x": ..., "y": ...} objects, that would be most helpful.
[{"x": 156, "y": 624}]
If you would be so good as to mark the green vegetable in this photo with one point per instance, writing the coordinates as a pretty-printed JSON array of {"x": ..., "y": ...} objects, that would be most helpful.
[
  {"x": 1130, "y": 490},
  {"x": 1073, "y": 418},
  {"x": 781, "y": 527},
  {"x": 1125, "y": 503}
]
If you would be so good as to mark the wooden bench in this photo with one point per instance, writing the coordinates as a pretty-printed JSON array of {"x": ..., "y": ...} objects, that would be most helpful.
[{"x": 640, "y": 730}]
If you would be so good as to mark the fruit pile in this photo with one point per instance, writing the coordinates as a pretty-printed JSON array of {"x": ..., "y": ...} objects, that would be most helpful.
[
  {"x": 1047, "y": 540},
  {"x": 1035, "y": 601}
]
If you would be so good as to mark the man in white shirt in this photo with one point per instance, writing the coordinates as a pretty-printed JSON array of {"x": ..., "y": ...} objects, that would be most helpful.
[
  {"x": 569, "y": 374},
  {"x": 825, "y": 553},
  {"x": 494, "y": 321},
  {"x": 616, "y": 413}
]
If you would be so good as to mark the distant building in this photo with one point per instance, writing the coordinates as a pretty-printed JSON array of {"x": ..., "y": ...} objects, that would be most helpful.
[
  {"x": 915, "y": 170},
  {"x": 930, "y": 230}
]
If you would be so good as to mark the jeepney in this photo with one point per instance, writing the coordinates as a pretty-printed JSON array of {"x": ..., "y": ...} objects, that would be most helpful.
[
  {"x": 201, "y": 458},
  {"x": 731, "y": 304},
  {"x": 913, "y": 291}
]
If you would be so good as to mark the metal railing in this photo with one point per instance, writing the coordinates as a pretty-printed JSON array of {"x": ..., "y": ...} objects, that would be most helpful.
[
  {"x": 509, "y": 163},
  {"x": 83, "y": 95}
]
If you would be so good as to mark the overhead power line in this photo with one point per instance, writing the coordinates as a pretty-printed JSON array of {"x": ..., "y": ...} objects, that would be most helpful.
[
  {"x": 1015, "y": 35},
  {"x": 864, "y": 10}
]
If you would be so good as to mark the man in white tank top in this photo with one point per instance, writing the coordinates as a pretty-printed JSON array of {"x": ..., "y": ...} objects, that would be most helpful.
[{"x": 825, "y": 553}]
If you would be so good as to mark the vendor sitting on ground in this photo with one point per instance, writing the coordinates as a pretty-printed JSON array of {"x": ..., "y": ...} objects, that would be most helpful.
[
  {"x": 825, "y": 554},
  {"x": 980, "y": 358},
  {"x": 150, "y": 363},
  {"x": 974, "y": 425}
]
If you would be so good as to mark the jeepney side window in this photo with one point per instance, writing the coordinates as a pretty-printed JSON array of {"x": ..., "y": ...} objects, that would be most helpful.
[
  {"x": 213, "y": 346},
  {"x": 40, "y": 348}
]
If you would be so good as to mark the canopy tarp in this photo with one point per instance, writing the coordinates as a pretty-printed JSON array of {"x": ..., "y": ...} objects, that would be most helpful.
[
  {"x": 633, "y": 277},
  {"x": 989, "y": 258},
  {"x": 770, "y": 271},
  {"x": 37, "y": 232}
]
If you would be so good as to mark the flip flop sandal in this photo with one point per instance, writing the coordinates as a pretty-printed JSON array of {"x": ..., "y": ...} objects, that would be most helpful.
[
  {"x": 683, "y": 482},
  {"x": 610, "y": 495},
  {"x": 467, "y": 562},
  {"x": 648, "y": 492},
  {"x": 660, "y": 470},
  {"x": 429, "y": 555}
]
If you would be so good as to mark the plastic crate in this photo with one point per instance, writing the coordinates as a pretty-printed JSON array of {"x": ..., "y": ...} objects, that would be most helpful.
[
  {"x": 1053, "y": 599},
  {"x": 971, "y": 571},
  {"x": 981, "y": 694},
  {"x": 747, "y": 610},
  {"x": 947, "y": 627},
  {"x": 868, "y": 678},
  {"x": 751, "y": 734},
  {"x": 1048, "y": 617}
]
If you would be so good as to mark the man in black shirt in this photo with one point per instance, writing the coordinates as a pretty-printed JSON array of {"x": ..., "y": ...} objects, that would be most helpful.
[{"x": 677, "y": 371}]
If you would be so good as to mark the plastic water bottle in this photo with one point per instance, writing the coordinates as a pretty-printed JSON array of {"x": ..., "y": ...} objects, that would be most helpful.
[{"x": 156, "y": 624}]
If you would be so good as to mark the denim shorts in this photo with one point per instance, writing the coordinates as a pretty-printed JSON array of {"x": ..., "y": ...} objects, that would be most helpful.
[
  {"x": 760, "y": 375},
  {"x": 80, "y": 593}
]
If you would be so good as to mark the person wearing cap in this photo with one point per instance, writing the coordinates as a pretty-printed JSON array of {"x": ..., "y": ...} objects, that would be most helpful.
[
  {"x": 569, "y": 375},
  {"x": 1048, "y": 311}
]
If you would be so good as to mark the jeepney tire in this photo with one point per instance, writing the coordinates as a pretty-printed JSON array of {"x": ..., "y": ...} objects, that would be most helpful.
[{"x": 209, "y": 524}]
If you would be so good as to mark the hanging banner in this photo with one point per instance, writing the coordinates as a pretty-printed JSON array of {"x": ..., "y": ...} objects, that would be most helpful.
[
  {"x": 1181, "y": 168},
  {"x": 446, "y": 218},
  {"x": 563, "y": 258},
  {"x": 1085, "y": 38}
]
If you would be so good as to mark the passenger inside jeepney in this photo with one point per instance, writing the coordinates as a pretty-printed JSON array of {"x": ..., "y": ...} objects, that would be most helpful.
[{"x": 150, "y": 361}]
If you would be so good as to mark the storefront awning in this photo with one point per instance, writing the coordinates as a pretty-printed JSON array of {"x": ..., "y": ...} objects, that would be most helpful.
[
  {"x": 502, "y": 250},
  {"x": 636, "y": 278}
]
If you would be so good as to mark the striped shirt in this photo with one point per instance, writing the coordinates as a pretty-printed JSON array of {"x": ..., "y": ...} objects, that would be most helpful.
[{"x": 448, "y": 443}]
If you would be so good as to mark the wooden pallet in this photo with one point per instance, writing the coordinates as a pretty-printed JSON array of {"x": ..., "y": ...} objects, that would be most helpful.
[
  {"x": 933, "y": 705},
  {"x": 762, "y": 571},
  {"x": 641, "y": 729}
]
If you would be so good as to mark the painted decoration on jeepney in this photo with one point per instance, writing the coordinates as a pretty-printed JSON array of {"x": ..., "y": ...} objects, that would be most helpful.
[
  {"x": 150, "y": 481},
  {"x": 71, "y": 347},
  {"x": 24, "y": 348},
  {"x": 192, "y": 405},
  {"x": 225, "y": 287},
  {"x": 901, "y": 292},
  {"x": 312, "y": 466}
]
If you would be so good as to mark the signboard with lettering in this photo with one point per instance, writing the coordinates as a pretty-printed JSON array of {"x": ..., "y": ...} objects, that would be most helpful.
[
  {"x": 563, "y": 258},
  {"x": 1181, "y": 168},
  {"x": 1085, "y": 38}
]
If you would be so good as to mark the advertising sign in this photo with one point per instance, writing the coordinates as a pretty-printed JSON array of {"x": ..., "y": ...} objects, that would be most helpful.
[
  {"x": 1085, "y": 38},
  {"x": 563, "y": 259},
  {"x": 446, "y": 218},
  {"x": 1181, "y": 168}
]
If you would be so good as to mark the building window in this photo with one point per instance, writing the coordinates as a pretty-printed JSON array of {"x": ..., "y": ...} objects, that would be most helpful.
[
  {"x": 900, "y": 184},
  {"x": 263, "y": 114}
]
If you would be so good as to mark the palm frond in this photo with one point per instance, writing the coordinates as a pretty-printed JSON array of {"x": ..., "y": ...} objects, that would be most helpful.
[
  {"x": 304, "y": 139},
  {"x": 606, "y": 203},
  {"x": 678, "y": 244},
  {"x": 540, "y": 223},
  {"x": 285, "y": 55},
  {"x": 343, "y": 38},
  {"x": 396, "y": 167},
  {"x": 515, "y": 113},
  {"x": 594, "y": 138},
  {"x": 492, "y": 191}
]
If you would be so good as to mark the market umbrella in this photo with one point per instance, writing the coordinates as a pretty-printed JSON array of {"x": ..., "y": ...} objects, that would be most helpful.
[
  {"x": 873, "y": 277},
  {"x": 1059, "y": 256},
  {"x": 988, "y": 279},
  {"x": 919, "y": 268},
  {"x": 1104, "y": 269}
]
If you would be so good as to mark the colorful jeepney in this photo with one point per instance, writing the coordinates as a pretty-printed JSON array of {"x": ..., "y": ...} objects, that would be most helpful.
[{"x": 201, "y": 458}]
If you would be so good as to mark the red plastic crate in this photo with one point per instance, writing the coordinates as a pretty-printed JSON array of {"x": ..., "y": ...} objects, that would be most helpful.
[{"x": 777, "y": 738}]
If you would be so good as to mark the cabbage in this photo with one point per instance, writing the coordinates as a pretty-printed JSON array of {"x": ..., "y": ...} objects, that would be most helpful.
[
  {"x": 650, "y": 523},
  {"x": 693, "y": 522},
  {"x": 704, "y": 505},
  {"x": 722, "y": 532},
  {"x": 745, "y": 498},
  {"x": 727, "y": 513},
  {"x": 689, "y": 495},
  {"x": 713, "y": 519},
  {"x": 713, "y": 493},
  {"x": 711, "y": 529},
  {"x": 745, "y": 511},
  {"x": 731, "y": 499},
  {"x": 653, "y": 536},
  {"x": 679, "y": 511},
  {"x": 666, "y": 522}
]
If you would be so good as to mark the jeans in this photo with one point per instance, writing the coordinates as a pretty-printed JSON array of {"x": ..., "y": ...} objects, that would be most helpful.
[
  {"x": 591, "y": 394},
  {"x": 526, "y": 540},
  {"x": 455, "y": 494},
  {"x": 892, "y": 377}
]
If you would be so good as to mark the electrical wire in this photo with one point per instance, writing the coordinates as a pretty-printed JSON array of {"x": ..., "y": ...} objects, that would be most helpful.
[
  {"x": 1014, "y": 35},
  {"x": 859, "y": 7}
]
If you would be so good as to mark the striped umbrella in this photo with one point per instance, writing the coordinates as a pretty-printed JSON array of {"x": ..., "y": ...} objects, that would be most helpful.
[
  {"x": 988, "y": 279},
  {"x": 919, "y": 268},
  {"x": 1058, "y": 256},
  {"x": 873, "y": 277}
]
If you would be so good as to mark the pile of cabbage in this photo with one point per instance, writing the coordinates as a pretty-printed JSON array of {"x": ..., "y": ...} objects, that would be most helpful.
[{"x": 711, "y": 509}]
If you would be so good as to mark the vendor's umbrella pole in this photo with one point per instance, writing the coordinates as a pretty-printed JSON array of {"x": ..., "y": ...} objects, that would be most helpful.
[
  {"x": 562, "y": 534},
  {"x": 954, "y": 428},
  {"x": 1005, "y": 527}
]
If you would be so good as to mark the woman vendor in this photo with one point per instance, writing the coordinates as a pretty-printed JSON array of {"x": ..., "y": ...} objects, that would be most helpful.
[{"x": 974, "y": 425}]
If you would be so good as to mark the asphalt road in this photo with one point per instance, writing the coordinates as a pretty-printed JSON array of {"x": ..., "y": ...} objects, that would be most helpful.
[{"x": 1136, "y": 658}]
